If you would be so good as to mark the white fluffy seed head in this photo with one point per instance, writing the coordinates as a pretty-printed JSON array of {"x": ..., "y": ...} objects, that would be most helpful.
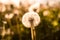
[
  {"x": 9, "y": 16},
  {"x": 26, "y": 18},
  {"x": 35, "y": 7}
]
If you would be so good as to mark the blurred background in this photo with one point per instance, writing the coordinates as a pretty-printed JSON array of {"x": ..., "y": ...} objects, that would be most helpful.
[{"x": 11, "y": 12}]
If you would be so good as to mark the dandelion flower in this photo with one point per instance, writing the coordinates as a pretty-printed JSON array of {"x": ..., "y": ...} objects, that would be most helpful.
[
  {"x": 27, "y": 16},
  {"x": 9, "y": 16},
  {"x": 34, "y": 7}
]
